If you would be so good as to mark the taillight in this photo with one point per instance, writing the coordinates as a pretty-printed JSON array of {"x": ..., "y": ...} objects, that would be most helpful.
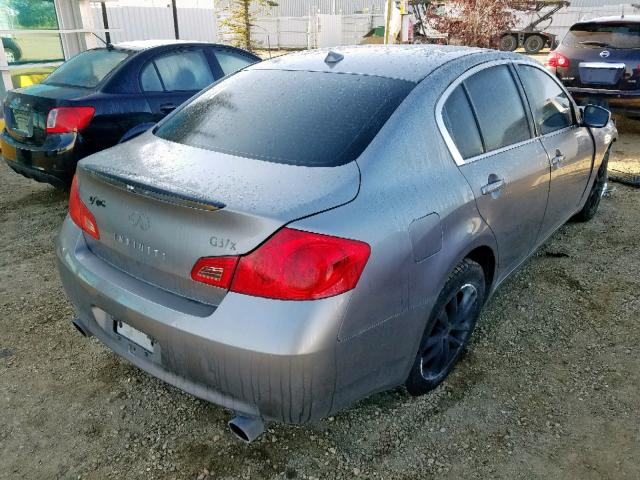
[
  {"x": 291, "y": 265},
  {"x": 69, "y": 119},
  {"x": 556, "y": 59},
  {"x": 80, "y": 214}
]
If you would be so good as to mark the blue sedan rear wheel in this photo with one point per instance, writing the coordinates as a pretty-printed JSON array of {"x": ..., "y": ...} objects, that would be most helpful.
[{"x": 449, "y": 329}]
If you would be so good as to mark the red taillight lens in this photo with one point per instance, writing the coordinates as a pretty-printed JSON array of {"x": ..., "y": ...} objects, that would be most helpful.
[
  {"x": 216, "y": 271},
  {"x": 80, "y": 214},
  {"x": 556, "y": 59},
  {"x": 297, "y": 265},
  {"x": 291, "y": 265},
  {"x": 69, "y": 119}
]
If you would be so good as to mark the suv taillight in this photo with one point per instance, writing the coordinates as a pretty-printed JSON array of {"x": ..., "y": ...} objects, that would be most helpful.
[
  {"x": 79, "y": 212},
  {"x": 291, "y": 265},
  {"x": 69, "y": 119},
  {"x": 556, "y": 59}
]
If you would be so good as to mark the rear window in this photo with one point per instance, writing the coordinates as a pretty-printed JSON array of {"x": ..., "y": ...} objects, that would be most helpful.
[
  {"x": 87, "y": 69},
  {"x": 604, "y": 35},
  {"x": 299, "y": 118}
]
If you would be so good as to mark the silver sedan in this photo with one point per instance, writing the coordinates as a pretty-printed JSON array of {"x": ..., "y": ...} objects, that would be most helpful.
[{"x": 327, "y": 224}]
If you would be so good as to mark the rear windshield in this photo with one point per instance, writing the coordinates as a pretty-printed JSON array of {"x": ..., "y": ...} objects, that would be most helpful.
[
  {"x": 87, "y": 69},
  {"x": 299, "y": 118},
  {"x": 604, "y": 35}
]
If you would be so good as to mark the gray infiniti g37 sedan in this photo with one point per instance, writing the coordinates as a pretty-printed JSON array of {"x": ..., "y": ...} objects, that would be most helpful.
[{"x": 327, "y": 224}]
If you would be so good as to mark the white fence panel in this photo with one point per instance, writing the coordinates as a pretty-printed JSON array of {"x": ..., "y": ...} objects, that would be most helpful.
[
  {"x": 355, "y": 27},
  {"x": 197, "y": 24},
  {"x": 329, "y": 30},
  {"x": 281, "y": 32},
  {"x": 156, "y": 22}
]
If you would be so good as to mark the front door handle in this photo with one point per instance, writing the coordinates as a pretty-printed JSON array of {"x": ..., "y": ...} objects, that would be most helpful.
[
  {"x": 493, "y": 186},
  {"x": 558, "y": 160},
  {"x": 167, "y": 107}
]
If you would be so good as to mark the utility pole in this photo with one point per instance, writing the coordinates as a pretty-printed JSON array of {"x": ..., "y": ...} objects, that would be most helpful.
[
  {"x": 174, "y": 9},
  {"x": 387, "y": 22}
]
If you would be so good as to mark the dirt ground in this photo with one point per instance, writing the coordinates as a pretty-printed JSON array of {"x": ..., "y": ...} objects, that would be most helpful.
[{"x": 549, "y": 389}]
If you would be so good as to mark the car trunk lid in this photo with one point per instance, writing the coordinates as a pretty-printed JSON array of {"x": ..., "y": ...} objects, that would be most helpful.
[
  {"x": 160, "y": 206},
  {"x": 26, "y": 109}
]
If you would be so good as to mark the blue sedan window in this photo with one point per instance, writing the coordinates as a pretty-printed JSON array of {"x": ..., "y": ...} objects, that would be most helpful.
[
  {"x": 87, "y": 69},
  {"x": 295, "y": 117}
]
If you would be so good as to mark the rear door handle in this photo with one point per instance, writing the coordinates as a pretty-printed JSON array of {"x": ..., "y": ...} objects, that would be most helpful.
[
  {"x": 558, "y": 160},
  {"x": 492, "y": 187},
  {"x": 167, "y": 107}
]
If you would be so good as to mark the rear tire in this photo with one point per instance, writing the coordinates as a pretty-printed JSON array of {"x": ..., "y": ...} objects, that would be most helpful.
[
  {"x": 592, "y": 204},
  {"x": 12, "y": 55},
  {"x": 508, "y": 43},
  {"x": 449, "y": 328},
  {"x": 533, "y": 44}
]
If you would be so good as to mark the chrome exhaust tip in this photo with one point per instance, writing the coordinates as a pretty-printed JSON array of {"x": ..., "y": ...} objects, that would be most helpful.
[{"x": 246, "y": 429}]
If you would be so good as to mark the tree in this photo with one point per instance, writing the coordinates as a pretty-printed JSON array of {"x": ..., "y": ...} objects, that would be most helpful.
[
  {"x": 35, "y": 13},
  {"x": 242, "y": 14},
  {"x": 477, "y": 23}
]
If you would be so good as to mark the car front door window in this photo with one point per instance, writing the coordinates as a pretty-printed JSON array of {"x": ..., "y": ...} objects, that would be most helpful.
[
  {"x": 550, "y": 105},
  {"x": 569, "y": 146},
  {"x": 231, "y": 62}
]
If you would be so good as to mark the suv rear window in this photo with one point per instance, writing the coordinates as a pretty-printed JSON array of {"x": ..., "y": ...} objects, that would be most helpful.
[
  {"x": 293, "y": 117},
  {"x": 87, "y": 69},
  {"x": 604, "y": 35}
]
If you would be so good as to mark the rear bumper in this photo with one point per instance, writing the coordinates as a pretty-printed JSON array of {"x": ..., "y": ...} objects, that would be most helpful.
[
  {"x": 54, "y": 162},
  {"x": 621, "y": 101},
  {"x": 255, "y": 356}
]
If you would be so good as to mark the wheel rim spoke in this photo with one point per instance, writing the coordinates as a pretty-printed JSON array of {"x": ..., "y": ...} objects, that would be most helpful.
[{"x": 450, "y": 332}]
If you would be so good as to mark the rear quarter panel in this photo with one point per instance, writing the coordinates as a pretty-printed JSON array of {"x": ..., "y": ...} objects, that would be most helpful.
[{"x": 407, "y": 173}]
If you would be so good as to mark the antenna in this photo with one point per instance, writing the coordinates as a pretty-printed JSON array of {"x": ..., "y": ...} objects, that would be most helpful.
[
  {"x": 333, "y": 57},
  {"x": 109, "y": 45}
]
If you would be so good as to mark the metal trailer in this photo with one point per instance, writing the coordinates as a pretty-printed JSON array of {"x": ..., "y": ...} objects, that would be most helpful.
[{"x": 532, "y": 37}]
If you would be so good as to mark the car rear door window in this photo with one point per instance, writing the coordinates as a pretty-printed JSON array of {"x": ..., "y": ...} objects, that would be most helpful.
[
  {"x": 184, "y": 70},
  {"x": 461, "y": 124},
  {"x": 293, "y": 117},
  {"x": 149, "y": 79},
  {"x": 231, "y": 62},
  {"x": 550, "y": 105},
  {"x": 498, "y": 106}
]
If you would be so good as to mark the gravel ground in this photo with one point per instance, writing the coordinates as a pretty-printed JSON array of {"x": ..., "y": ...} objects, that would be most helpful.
[{"x": 550, "y": 386}]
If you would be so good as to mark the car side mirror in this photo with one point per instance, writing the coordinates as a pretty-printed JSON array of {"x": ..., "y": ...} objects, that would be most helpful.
[{"x": 595, "y": 116}]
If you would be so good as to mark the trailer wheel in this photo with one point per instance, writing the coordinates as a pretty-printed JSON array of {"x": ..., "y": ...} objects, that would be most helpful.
[
  {"x": 533, "y": 44},
  {"x": 508, "y": 43}
]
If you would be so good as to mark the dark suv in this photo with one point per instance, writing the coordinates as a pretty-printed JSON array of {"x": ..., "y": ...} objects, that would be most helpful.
[{"x": 599, "y": 62}]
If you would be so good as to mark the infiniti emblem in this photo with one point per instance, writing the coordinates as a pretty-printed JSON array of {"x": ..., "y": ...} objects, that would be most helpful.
[
  {"x": 605, "y": 53},
  {"x": 139, "y": 219}
]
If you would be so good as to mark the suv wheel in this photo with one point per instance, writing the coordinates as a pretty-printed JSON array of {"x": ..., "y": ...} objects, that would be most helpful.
[
  {"x": 11, "y": 54},
  {"x": 449, "y": 328}
]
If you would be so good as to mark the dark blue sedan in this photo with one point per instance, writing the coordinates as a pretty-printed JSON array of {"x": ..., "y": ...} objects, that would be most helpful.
[{"x": 102, "y": 96}]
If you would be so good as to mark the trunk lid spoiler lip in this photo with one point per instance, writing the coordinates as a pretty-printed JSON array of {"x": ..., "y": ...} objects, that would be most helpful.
[{"x": 134, "y": 184}]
